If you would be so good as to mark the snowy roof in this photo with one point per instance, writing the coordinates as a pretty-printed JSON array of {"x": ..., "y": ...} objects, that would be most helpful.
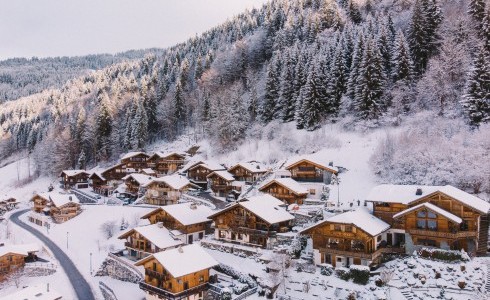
[
  {"x": 406, "y": 194},
  {"x": 175, "y": 181},
  {"x": 268, "y": 211},
  {"x": 223, "y": 174},
  {"x": 99, "y": 172},
  {"x": 360, "y": 218},
  {"x": 212, "y": 166},
  {"x": 266, "y": 198},
  {"x": 71, "y": 173},
  {"x": 314, "y": 159},
  {"x": 141, "y": 179},
  {"x": 157, "y": 234},
  {"x": 191, "y": 164},
  {"x": 35, "y": 292},
  {"x": 148, "y": 171},
  {"x": 22, "y": 249},
  {"x": 60, "y": 199},
  {"x": 253, "y": 167},
  {"x": 166, "y": 154},
  {"x": 187, "y": 215},
  {"x": 433, "y": 208},
  {"x": 288, "y": 183},
  {"x": 183, "y": 260},
  {"x": 132, "y": 154}
]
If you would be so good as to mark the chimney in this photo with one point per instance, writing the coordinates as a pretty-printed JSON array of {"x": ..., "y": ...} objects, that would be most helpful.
[
  {"x": 330, "y": 164},
  {"x": 418, "y": 192}
]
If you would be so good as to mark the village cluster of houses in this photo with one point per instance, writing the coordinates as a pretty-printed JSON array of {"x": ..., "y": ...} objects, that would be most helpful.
[{"x": 404, "y": 218}]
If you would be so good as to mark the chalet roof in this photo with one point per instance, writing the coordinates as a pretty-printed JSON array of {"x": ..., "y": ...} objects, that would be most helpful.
[
  {"x": 288, "y": 183},
  {"x": 223, "y": 174},
  {"x": 320, "y": 162},
  {"x": 21, "y": 249},
  {"x": 191, "y": 164},
  {"x": 406, "y": 194},
  {"x": 188, "y": 213},
  {"x": 157, "y": 234},
  {"x": 34, "y": 292},
  {"x": 184, "y": 260},
  {"x": 433, "y": 208},
  {"x": 58, "y": 199},
  {"x": 175, "y": 181},
  {"x": 166, "y": 154},
  {"x": 148, "y": 171},
  {"x": 141, "y": 179},
  {"x": 133, "y": 154},
  {"x": 212, "y": 166},
  {"x": 71, "y": 173},
  {"x": 361, "y": 218},
  {"x": 252, "y": 167},
  {"x": 99, "y": 172},
  {"x": 265, "y": 207}
]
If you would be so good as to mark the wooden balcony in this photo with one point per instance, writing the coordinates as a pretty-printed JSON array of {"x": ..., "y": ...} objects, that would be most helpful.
[
  {"x": 448, "y": 235},
  {"x": 157, "y": 275},
  {"x": 169, "y": 295},
  {"x": 362, "y": 254}
]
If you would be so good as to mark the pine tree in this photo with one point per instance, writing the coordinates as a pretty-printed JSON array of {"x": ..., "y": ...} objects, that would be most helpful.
[
  {"x": 354, "y": 12},
  {"x": 384, "y": 44},
  {"x": 206, "y": 108},
  {"x": 370, "y": 84},
  {"x": 402, "y": 60},
  {"x": 139, "y": 134},
  {"x": 103, "y": 127},
  {"x": 313, "y": 101},
  {"x": 486, "y": 31},
  {"x": 82, "y": 160},
  {"x": 476, "y": 101},
  {"x": 476, "y": 9},
  {"x": 337, "y": 81},
  {"x": 287, "y": 94},
  {"x": 356, "y": 63},
  {"x": 253, "y": 106},
  {"x": 179, "y": 110},
  {"x": 270, "y": 107}
]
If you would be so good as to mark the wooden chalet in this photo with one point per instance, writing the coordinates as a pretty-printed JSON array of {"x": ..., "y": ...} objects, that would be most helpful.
[
  {"x": 14, "y": 257},
  {"x": 181, "y": 273},
  {"x": 149, "y": 172},
  {"x": 221, "y": 183},
  {"x": 166, "y": 190},
  {"x": 248, "y": 171},
  {"x": 254, "y": 221},
  {"x": 285, "y": 189},
  {"x": 309, "y": 169},
  {"x": 435, "y": 216},
  {"x": 143, "y": 241},
  {"x": 59, "y": 207},
  {"x": 135, "y": 161},
  {"x": 8, "y": 205},
  {"x": 136, "y": 182},
  {"x": 188, "y": 221},
  {"x": 105, "y": 182},
  {"x": 198, "y": 173},
  {"x": 74, "y": 179},
  {"x": 166, "y": 163},
  {"x": 348, "y": 238}
]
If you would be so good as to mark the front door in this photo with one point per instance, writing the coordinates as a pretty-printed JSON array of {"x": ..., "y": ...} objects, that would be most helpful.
[
  {"x": 389, "y": 239},
  {"x": 191, "y": 239}
]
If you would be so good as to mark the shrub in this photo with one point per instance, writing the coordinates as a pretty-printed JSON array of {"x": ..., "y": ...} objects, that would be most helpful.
[
  {"x": 342, "y": 273},
  {"x": 239, "y": 288},
  {"x": 443, "y": 255},
  {"x": 326, "y": 269},
  {"x": 359, "y": 274}
]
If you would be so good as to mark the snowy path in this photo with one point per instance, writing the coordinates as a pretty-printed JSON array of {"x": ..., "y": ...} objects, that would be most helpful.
[{"x": 80, "y": 285}]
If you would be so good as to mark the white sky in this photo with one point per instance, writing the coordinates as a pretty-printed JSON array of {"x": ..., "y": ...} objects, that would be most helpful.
[{"x": 77, "y": 27}]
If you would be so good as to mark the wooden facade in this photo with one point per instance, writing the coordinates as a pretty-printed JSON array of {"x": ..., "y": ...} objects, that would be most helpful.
[
  {"x": 198, "y": 174},
  {"x": 220, "y": 185},
  {"x": 426, "y": 227},
  {"x": 9, "y": 263},
  {"x": 106, "y": 181},
  {"x": 237, "y": 224},
  {"x": 74, "y": 179},
  {"x": 135, "y": 162},
  {"x": 342, "y": 245},
  {"x": 45, "y": 206},
  {"x": 283, "y": 192},
  {"x": 249, "y": 175},
  {"x": 166, "y": 164},
  {"x": 308, "y": 171},
  {"x": 161, "y": 283},
  {"x": 161, "y": 193}
]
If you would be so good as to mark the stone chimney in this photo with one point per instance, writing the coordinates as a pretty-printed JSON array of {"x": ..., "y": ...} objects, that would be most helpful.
[{"x": 418, "y": 192}]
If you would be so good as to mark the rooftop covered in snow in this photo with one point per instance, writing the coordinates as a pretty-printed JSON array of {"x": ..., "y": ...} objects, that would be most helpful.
[
  {"x": 185, "y": 213},
  {"x": 252, "y": 167},
  {"x": 183, "y": 260},
  {"x": 223, "y": 174},
  {"x": 21, "y": 249},
  {"x": 175, "y": 181},
  {"x": 287, "y": 183},
  {"x": 157, "y": 234},
  {"x": 133, "y": 154},
  {"x": 432, "y": 208},
  {"x": 35, "y": 292},
  {"x": 71, "y": 173},
  {"x": 407, "y": 194},
  {"x": 313, "y": 159},
  {"x": 59, "y": 200},
  {"x": 141, "y": 179}
]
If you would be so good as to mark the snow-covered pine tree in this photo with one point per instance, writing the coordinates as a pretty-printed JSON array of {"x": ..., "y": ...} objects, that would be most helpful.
[
  {"x": 337, "y": 81},
  {"x": 354, "y": 12},
  {"x": 476, "y": 9},
  {"x": 356, "y": 63},
  {"x": 314, "y": 100},
  {"x": 368, "y": 99},
  {"x": 486, "y": 30},
  {"x": 270, "y": 107},
  {"x": 103, "y": 127},
  {"x": 139, "y": 134},
  {"x": 384, "y": 44},
  {"x": 476, "y": 101},
  {"x": 253, "y": 104},
  {"x": 402, "y": 60},
  {"x": 82, "y": 161},
  {"x": 179, "y": 110},
  {"x": 287, "y": 95}
]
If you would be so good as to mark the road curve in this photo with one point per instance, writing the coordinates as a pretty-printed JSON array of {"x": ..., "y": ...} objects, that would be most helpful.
[{"x": 80, "y": 285}]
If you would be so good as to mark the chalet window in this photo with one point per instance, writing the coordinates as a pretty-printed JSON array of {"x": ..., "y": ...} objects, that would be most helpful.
[
  {"x": 222, "y": 234},
  {"x": 378, "y": 239},
  {"x": 464, "y": 225},
  {"x": 154, "y": 266},
  {"x": 201, "y": 235},
  {"x": 426, "y": 220},
  {"x": 240, "y": 236},
  {"x": 348, "y": 228},
  {"x": 427, "y": 242},
  {"x": 312, "y": 191},
  {"x": 337, "y": 228},
  {"x": 421, "y": 214},
  {"x": 201, "y": 278}
]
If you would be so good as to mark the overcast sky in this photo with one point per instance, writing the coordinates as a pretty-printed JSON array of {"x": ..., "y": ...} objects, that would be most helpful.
[{"x": 77, "y": 27}]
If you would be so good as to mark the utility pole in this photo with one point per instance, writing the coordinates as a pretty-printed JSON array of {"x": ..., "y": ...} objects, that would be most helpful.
[
  {"x": 67, "y": 240},
  {"x": 90, "y": 263}
]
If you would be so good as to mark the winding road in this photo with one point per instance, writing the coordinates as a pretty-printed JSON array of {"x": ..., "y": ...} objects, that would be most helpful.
[{"x": 80, "y": 285}]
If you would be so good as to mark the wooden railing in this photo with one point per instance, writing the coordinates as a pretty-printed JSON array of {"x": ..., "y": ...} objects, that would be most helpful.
[
  {"x": 457, "y": 235},
  {"x": 161, "y": 292},
  {"x": 155, "y": 274}
]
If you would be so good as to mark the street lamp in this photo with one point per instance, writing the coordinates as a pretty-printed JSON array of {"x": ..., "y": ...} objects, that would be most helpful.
[
  {"x": 90, "y": 263},
  {"x": 67, "y": 240}
]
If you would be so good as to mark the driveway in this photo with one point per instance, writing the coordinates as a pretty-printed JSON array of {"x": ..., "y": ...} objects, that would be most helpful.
[{"x": 80, "y": 285}]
